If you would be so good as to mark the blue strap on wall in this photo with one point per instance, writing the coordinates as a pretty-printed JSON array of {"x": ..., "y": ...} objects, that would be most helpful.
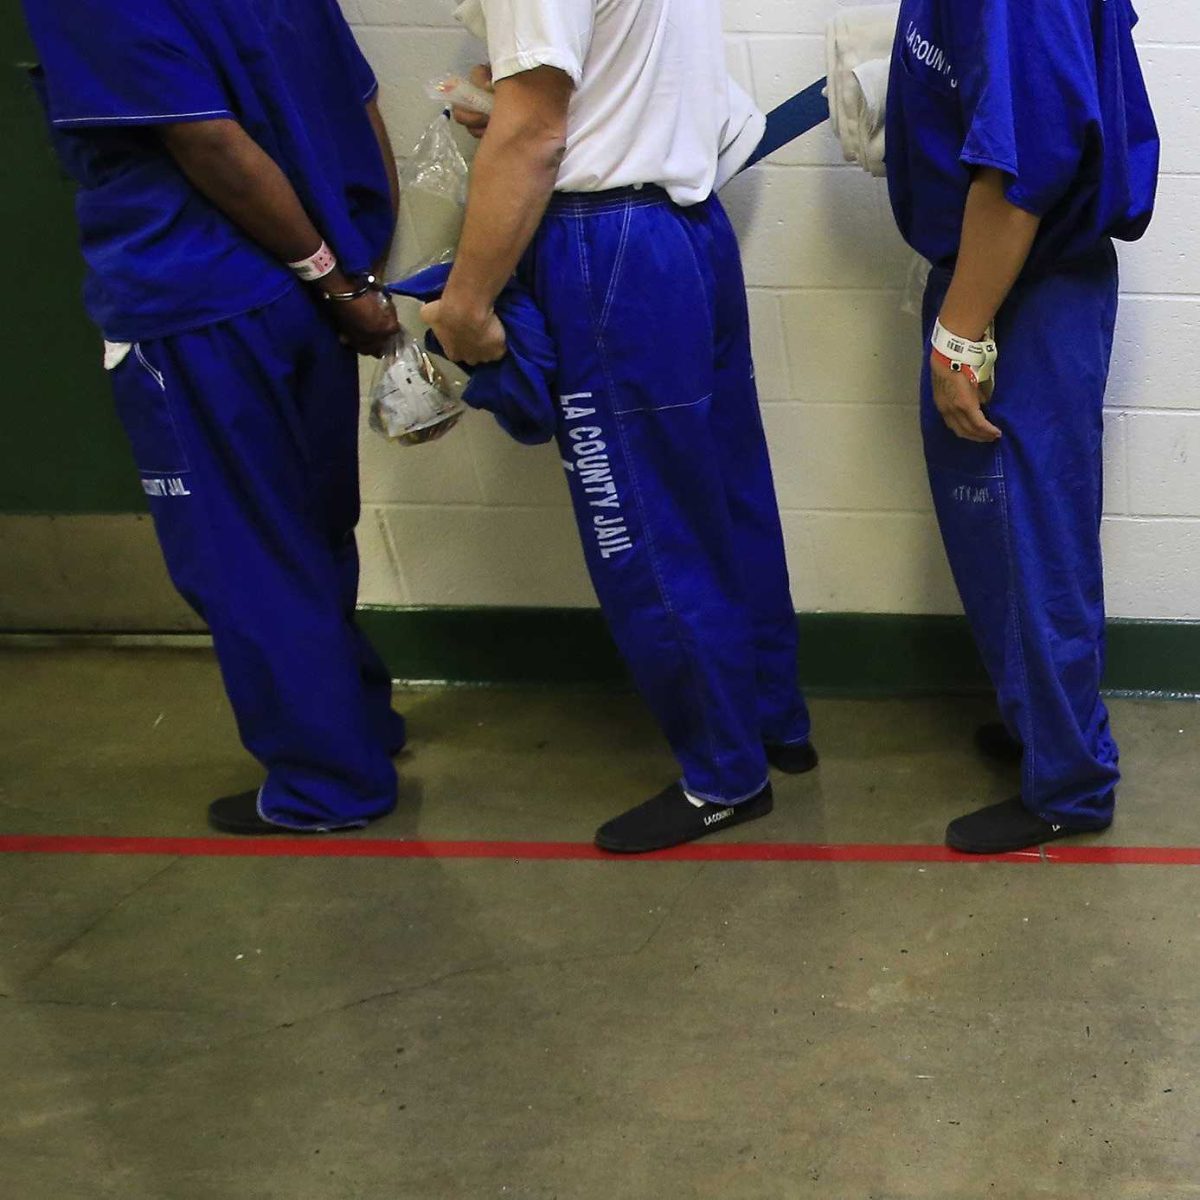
[{"x": 792, "y": 119}]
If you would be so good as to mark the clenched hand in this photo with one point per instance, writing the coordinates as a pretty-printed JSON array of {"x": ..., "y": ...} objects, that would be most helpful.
[{"x": 961, "y": 403}]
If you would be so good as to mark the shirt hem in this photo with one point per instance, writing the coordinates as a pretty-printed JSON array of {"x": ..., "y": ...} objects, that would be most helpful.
[
  {"x": 143, "y": 119},
  {"x": 156, "y": 332}
]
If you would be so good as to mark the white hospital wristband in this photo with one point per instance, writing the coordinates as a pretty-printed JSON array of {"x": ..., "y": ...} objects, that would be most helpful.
[
  {"x": 979, "y": 358},
  {"x": 315, "y": 266}
]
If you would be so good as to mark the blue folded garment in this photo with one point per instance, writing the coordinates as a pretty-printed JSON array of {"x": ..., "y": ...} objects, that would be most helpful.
[{"x": 519, "y": 389}]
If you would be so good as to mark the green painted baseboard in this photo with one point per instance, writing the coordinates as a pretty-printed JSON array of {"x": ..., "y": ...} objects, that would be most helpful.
[{"x": 839, "y": 652}]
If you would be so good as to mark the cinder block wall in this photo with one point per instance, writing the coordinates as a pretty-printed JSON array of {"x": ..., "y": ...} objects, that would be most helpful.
[{"x": 477, "y": 520}]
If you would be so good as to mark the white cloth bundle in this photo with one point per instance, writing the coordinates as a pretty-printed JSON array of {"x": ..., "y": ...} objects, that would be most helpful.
[
  {"x": 470, "y": 15},
  {"x": 859, "y": 49}
]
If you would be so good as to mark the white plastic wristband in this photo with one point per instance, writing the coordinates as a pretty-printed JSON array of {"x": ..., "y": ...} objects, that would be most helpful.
[
  {"x": 980, "y": 357},
  {"x": 456, "y": 90},
  {"x": 316, "y": 266}
]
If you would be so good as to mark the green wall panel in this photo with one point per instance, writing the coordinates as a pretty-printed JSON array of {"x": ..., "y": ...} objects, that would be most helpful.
[
  {"x": 61, "y": 449},
  {"x": 840, "y": 653}
]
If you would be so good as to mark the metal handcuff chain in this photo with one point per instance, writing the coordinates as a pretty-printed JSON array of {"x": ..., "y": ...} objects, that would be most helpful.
[{"x": 370, "y": 284}]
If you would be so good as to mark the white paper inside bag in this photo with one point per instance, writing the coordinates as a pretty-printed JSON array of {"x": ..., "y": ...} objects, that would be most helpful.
[{"x": 412, "y": 402}]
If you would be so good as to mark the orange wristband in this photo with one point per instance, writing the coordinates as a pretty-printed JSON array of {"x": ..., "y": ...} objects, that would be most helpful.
[{"x": 959, "y": 368}]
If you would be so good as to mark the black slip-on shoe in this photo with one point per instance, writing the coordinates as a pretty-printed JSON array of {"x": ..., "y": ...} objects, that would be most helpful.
[
  {"x": 793, "y": 760},
  {"x": 1005, "y": 827},
  {"x": 994, "y": 741},
  {"x": 671, "y": 818},
  {"x": 239, "y": 814}
]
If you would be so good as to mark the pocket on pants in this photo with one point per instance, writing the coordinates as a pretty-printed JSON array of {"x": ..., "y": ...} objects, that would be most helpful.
[
  {"x": 143, "y": 404},
  {"x": 651, "y": 309}
]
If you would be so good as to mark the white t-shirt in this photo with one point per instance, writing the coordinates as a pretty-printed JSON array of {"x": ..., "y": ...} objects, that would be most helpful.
[{"x": 653, "y": 99}]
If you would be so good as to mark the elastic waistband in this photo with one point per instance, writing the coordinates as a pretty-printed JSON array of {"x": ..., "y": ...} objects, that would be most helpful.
[{"x": 586, "y": 204}]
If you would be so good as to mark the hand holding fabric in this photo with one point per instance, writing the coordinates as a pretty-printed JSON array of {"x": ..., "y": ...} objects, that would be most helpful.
[
  {"x": 465, "y": 337},
  {"x": 518, "y": 389}
]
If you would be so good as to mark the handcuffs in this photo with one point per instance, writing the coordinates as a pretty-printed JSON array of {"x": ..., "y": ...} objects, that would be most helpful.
[
  {"x": 369, "y": 284},
  {"x": 975, "y": 360},
  {"x": 323, "y": 262}
]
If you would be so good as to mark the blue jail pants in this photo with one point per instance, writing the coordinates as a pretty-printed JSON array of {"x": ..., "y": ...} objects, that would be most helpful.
[
  {"x": 245, "y": 437},
  {"x": 666, "y": 461},
  {"x": 1021, "y": 524}
]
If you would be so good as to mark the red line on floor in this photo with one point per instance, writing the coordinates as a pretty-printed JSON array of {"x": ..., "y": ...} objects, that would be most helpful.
[{"x": 351, "y": 847}]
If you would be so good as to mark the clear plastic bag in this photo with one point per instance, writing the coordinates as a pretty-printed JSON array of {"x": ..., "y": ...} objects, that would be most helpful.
[
  {"x": 412, "y": 400},
  {"x": 433, "y": 197},
  {"x": 435, "y": 164}
]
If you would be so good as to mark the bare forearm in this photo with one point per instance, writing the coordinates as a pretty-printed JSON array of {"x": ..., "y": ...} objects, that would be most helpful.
[
  {"x": 228, "y": 167},
  {"x": 996, "y": 240},
  {"x": 385, "y": 148},
  {"x": 389, "y": 162},
  {"x": 512, "y": 181}
]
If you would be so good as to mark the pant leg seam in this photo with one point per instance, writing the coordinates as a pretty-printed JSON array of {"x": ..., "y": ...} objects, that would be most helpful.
[
  {"x": 1029, "y": 763},
  {"x": 629, "y": 412},
  {"x": 710, "y": 310},
  {"x": 618, "y": 263},
  {"x": 160, "y": 379}
]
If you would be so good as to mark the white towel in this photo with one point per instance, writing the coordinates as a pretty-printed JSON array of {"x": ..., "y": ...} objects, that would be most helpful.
[
  {"x": 115, "y": 353},
  {"x": 859, "y": 47},
  {"x": 471, "y": 17}
]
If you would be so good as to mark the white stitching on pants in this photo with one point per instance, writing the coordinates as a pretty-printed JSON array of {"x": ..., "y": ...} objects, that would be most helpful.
[
  {"x": 160, "y": 378},
  {"x": 618, "y": 263},
  {"x": 157, "y": 376},
  {"x": 628, "y": 412}
]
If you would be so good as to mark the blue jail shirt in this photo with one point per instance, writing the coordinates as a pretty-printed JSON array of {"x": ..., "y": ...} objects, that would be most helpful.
[
  {"x": 1050, "y": 92},
  {"x": 161, "y": 259}
]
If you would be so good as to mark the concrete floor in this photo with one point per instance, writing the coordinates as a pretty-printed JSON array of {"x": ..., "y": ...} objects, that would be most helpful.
[{"x": 311, "y": 1029}]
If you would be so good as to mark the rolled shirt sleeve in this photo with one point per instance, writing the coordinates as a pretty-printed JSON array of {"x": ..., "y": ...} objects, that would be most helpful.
[
  {"x": 1030, "y": 96},
  {"x": 133, "y": 63},
  {"x": 525, "y": 34}
]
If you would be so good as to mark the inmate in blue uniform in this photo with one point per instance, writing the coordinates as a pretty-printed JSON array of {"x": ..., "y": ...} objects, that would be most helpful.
[
  {"x": 239, "y": 402},
  {"x": 1052, "y": 95}
]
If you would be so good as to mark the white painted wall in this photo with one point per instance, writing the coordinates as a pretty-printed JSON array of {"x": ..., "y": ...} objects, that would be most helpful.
[{"x": 478, "y": 520}]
